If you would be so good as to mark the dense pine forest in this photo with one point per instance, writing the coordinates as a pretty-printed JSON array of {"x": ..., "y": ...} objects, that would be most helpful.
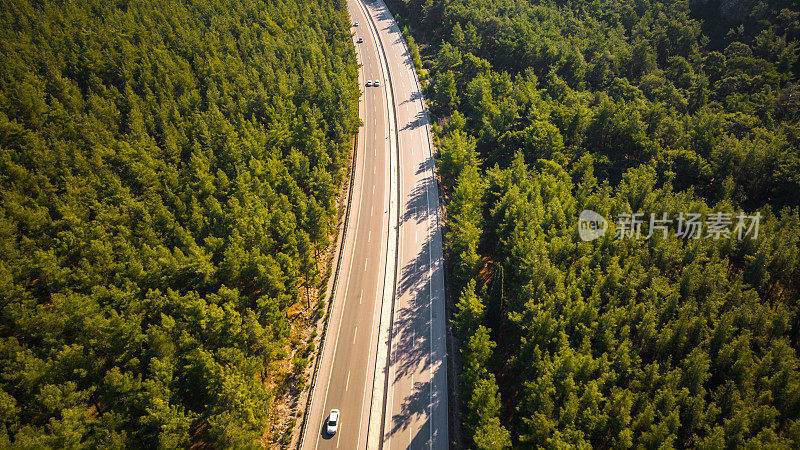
[
  {"x": 169, "y": 173},
  {"x": 547, "y": 108}
]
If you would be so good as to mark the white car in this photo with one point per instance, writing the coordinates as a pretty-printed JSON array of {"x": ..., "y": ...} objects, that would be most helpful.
[
  {"x": 355, "y": 24},
  {"x": 368, "y": 83},
  {"x": 377, "y": 83},
  {"x": 360, "y": 40},
  {"x": 333, "y": 422}
]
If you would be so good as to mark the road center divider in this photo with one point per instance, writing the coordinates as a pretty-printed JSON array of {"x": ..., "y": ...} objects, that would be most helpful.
[{"x": 380, "y": 380}]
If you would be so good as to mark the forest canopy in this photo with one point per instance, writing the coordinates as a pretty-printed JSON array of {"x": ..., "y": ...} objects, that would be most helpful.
[
  {"x": 547, "y": 108},
  {"x": 169, "y": 172}
]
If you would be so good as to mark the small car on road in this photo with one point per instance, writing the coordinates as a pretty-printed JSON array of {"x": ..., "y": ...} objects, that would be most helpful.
[
  {"x": 377, "y": 83},
  {"x": 368, "y": 83},
  {"x": 355, "y": 24},
  {"x": 360, "y": 40},
  {"x": 333, "y": 422}
]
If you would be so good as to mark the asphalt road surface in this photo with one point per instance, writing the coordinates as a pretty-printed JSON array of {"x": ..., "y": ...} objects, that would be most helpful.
[
  {"x": 411, "y": 390},
  {"x": 416, "y": 404}
]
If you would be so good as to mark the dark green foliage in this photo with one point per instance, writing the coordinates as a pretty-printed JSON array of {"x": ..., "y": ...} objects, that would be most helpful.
[
  {"x": 621, "y": 342},
  {"x": 470, "y": 311},
  {"x": 168, "y": 173},
  {"x": 619, "y": 106},
  {"x": 629, "y": 82}
]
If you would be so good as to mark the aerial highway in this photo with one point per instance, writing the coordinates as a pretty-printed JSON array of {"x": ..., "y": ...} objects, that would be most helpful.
[
  {"x": 345, "y": 376},
  {"x": 383, "y": 364},
  {"x": 416, "y": 397}
]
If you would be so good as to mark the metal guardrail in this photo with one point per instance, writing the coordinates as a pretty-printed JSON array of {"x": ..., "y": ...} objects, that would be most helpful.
[
  {"x": 381, "y": 373},
  {"x": 332, "y": 294}
]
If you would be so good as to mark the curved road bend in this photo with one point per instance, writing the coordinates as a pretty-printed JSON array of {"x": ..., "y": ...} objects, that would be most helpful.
[
  {"x": 416, "y": 401},
  {"x": 412, "y": 394},
  {"x": 346, "y": 370}
]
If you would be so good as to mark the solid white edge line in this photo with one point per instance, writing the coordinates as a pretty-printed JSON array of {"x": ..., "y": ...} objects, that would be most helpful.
[
  {"x": 389, "y": 283},
  {"x": 344, "y": 299}
]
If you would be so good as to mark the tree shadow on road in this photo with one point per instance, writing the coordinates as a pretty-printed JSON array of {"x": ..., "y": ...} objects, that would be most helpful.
[
  {"x": 417, "y": 208},
  {"x": 416, "y": 122},
  {"x": 412, "y": 344},
  {"x": 416, "y": 95},
  {"x": 421, "y": 403}
]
